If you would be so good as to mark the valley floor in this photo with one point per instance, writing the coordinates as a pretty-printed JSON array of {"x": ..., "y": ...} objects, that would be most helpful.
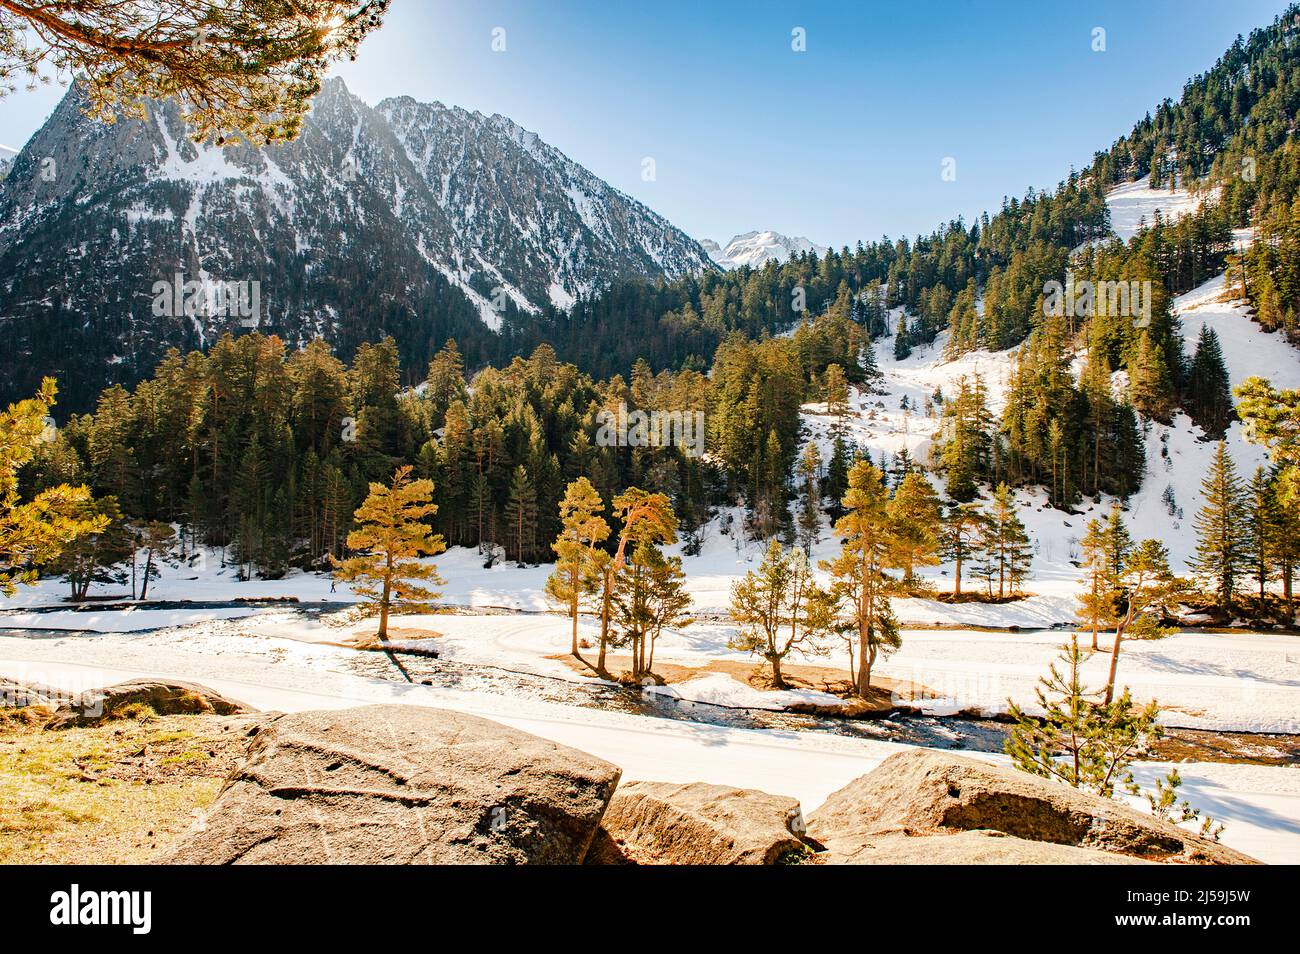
[{"x": 1260, "y": 804}]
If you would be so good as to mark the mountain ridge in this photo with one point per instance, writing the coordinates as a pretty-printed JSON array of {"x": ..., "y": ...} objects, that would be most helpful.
[{"x": 417, "y": 220}]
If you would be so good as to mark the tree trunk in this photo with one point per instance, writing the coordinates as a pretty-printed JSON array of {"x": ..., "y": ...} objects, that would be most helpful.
[
  {"x": 573, "y": 608},
  {"x": 1114, "y": 660},
  {"x": 956, "y": 590},
  {"x": 604, "y": 620},
  {"x": 778, "y": 682},
  {"x": 148, "y": 568},
  {"x": 385, "y": 597}
]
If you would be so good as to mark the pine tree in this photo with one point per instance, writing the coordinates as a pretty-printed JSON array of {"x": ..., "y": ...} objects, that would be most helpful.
[
  {"x": 1079, "y": 740},
  {"x": 1223, "y": 545},
  {"x": 1151, "y": 386},
  {"x": 388, "y": 544},
  {"x": 914, "y": 514},
  {"x": 649, "y": 596},
  {"x": 1006, "y": 552},
  {"x": 779, "y": 608},
  {"x": 963, "y": 527},
  {"x": 647, "y": 518},
  {"x": 155, "y": 539},
  {"x": 521, "y": 513},
  {"x": 837, "y": 475},
  {"x": 1116, "y": 542},
  {"x": 902, "y": 339},
  {"x": 859, "y": 582},
  {"x": 1209, "y": 394},
  {"x": 1263, "y": 521},
  {"x": 580, "y": 563},
  {"x": 34, "y": 533},
  {"x": 835, "y": 389},
  {"x": 249, "y": 73},
  {"x": 1148, "y": 589},
  {"x": 1100, "y": 583},
  {"x": 88, "y": 558},
  {"x": 810, "y": 509}
]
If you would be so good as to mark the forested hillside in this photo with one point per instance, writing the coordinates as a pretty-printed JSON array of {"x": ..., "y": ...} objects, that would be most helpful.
[{"x": 268, "y": 450}]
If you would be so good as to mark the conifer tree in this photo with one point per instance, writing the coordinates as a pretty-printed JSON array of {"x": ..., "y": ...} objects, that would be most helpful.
[
  {"x": 249, "y": 70},
  {"x": 902, "y": 339},
  {"x": 914, "y": 513},
  {"x": 1097, "y": 599},
  {"x": 1209, "y": 395},
  {"x": 580, "y": 561},
  {"x": 521, "y": 513},
  {"x": 835, "y": 389},
  {"x": 649, "y": 596},
  {"x": 1004, "y": 544},
  {"x": 33, "y": 533},
  {"x": 860, "y": 584},
  {"x": 963, "y": 526},
  {"x": 1263, "y": 521},
  {"x": 155, "y": 539},
  {"x": 89, "y": 558},
  {"x": 646, "y": 518},
  {"x": 386, "y": 569},
  {"x": 837, "y": 475},
  {"x": 1151, "y": 386},
  {"x": 810, "y": 509},
  {"x": 1116, "y": 542},
  {"x": 780, "y": 608},
  {"x": 1148, "y": 589},
  {"x": 1221, "y": 526},
  {"x": 1079, "y": 740}
]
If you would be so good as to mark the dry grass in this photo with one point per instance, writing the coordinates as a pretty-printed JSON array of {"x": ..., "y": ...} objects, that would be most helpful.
[{"x": 116, "y": 793}]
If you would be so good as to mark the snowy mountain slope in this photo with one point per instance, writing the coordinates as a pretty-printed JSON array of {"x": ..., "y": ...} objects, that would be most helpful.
[
  {"x": 410, "y": 219},
  {"x": 1177, "y": 454},
  {"x": 756, "y": 249}
]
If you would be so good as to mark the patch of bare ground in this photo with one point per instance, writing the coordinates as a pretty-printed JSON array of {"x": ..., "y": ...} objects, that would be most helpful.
[
  {"x": 1180, "y": 745},
  {"x": 114, "y": 793},
  {"x": 367, "y": 640}
]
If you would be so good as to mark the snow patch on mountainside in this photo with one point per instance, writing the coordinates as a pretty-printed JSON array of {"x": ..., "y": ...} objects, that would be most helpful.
[{"x": 1135, "y": 204}]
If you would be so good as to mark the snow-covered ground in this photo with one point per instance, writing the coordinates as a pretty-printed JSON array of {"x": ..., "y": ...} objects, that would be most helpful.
[
  {"x": 1134, "y": 205},
  {"x": 1261, "y": 805}
]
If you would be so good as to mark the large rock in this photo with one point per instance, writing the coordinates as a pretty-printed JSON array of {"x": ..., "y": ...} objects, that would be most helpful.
[
  {"x": 165, "y": 697},
  {"x": 923, "y": 792},
  {"x": 967, "y": 848},
  {"x": 18, "y": 695},
  {"x": 699, "y": 824},
  {"x": 402, "y": 785}
]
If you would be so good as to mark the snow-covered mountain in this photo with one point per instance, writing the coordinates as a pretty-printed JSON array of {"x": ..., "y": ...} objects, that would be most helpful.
[
  {"x": 413, "y": 219},
  {"x": 756, "y": 249}
]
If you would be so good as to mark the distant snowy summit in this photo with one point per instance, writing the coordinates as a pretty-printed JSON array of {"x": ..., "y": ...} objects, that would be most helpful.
[{"x": 756, "y": 249}]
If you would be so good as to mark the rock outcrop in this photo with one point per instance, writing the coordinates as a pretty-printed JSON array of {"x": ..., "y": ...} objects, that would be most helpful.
[
  {"x": 929, "y": 807},
  {"x": 402, "y": 785},
  {"x": 17, "y": 695},
  {"x": 164, "y": 697},
  {"x": 699, "y": 824}
]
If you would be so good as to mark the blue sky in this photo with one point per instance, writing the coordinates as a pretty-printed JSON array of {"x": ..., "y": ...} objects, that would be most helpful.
[{"x": 841, "y": 142}]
